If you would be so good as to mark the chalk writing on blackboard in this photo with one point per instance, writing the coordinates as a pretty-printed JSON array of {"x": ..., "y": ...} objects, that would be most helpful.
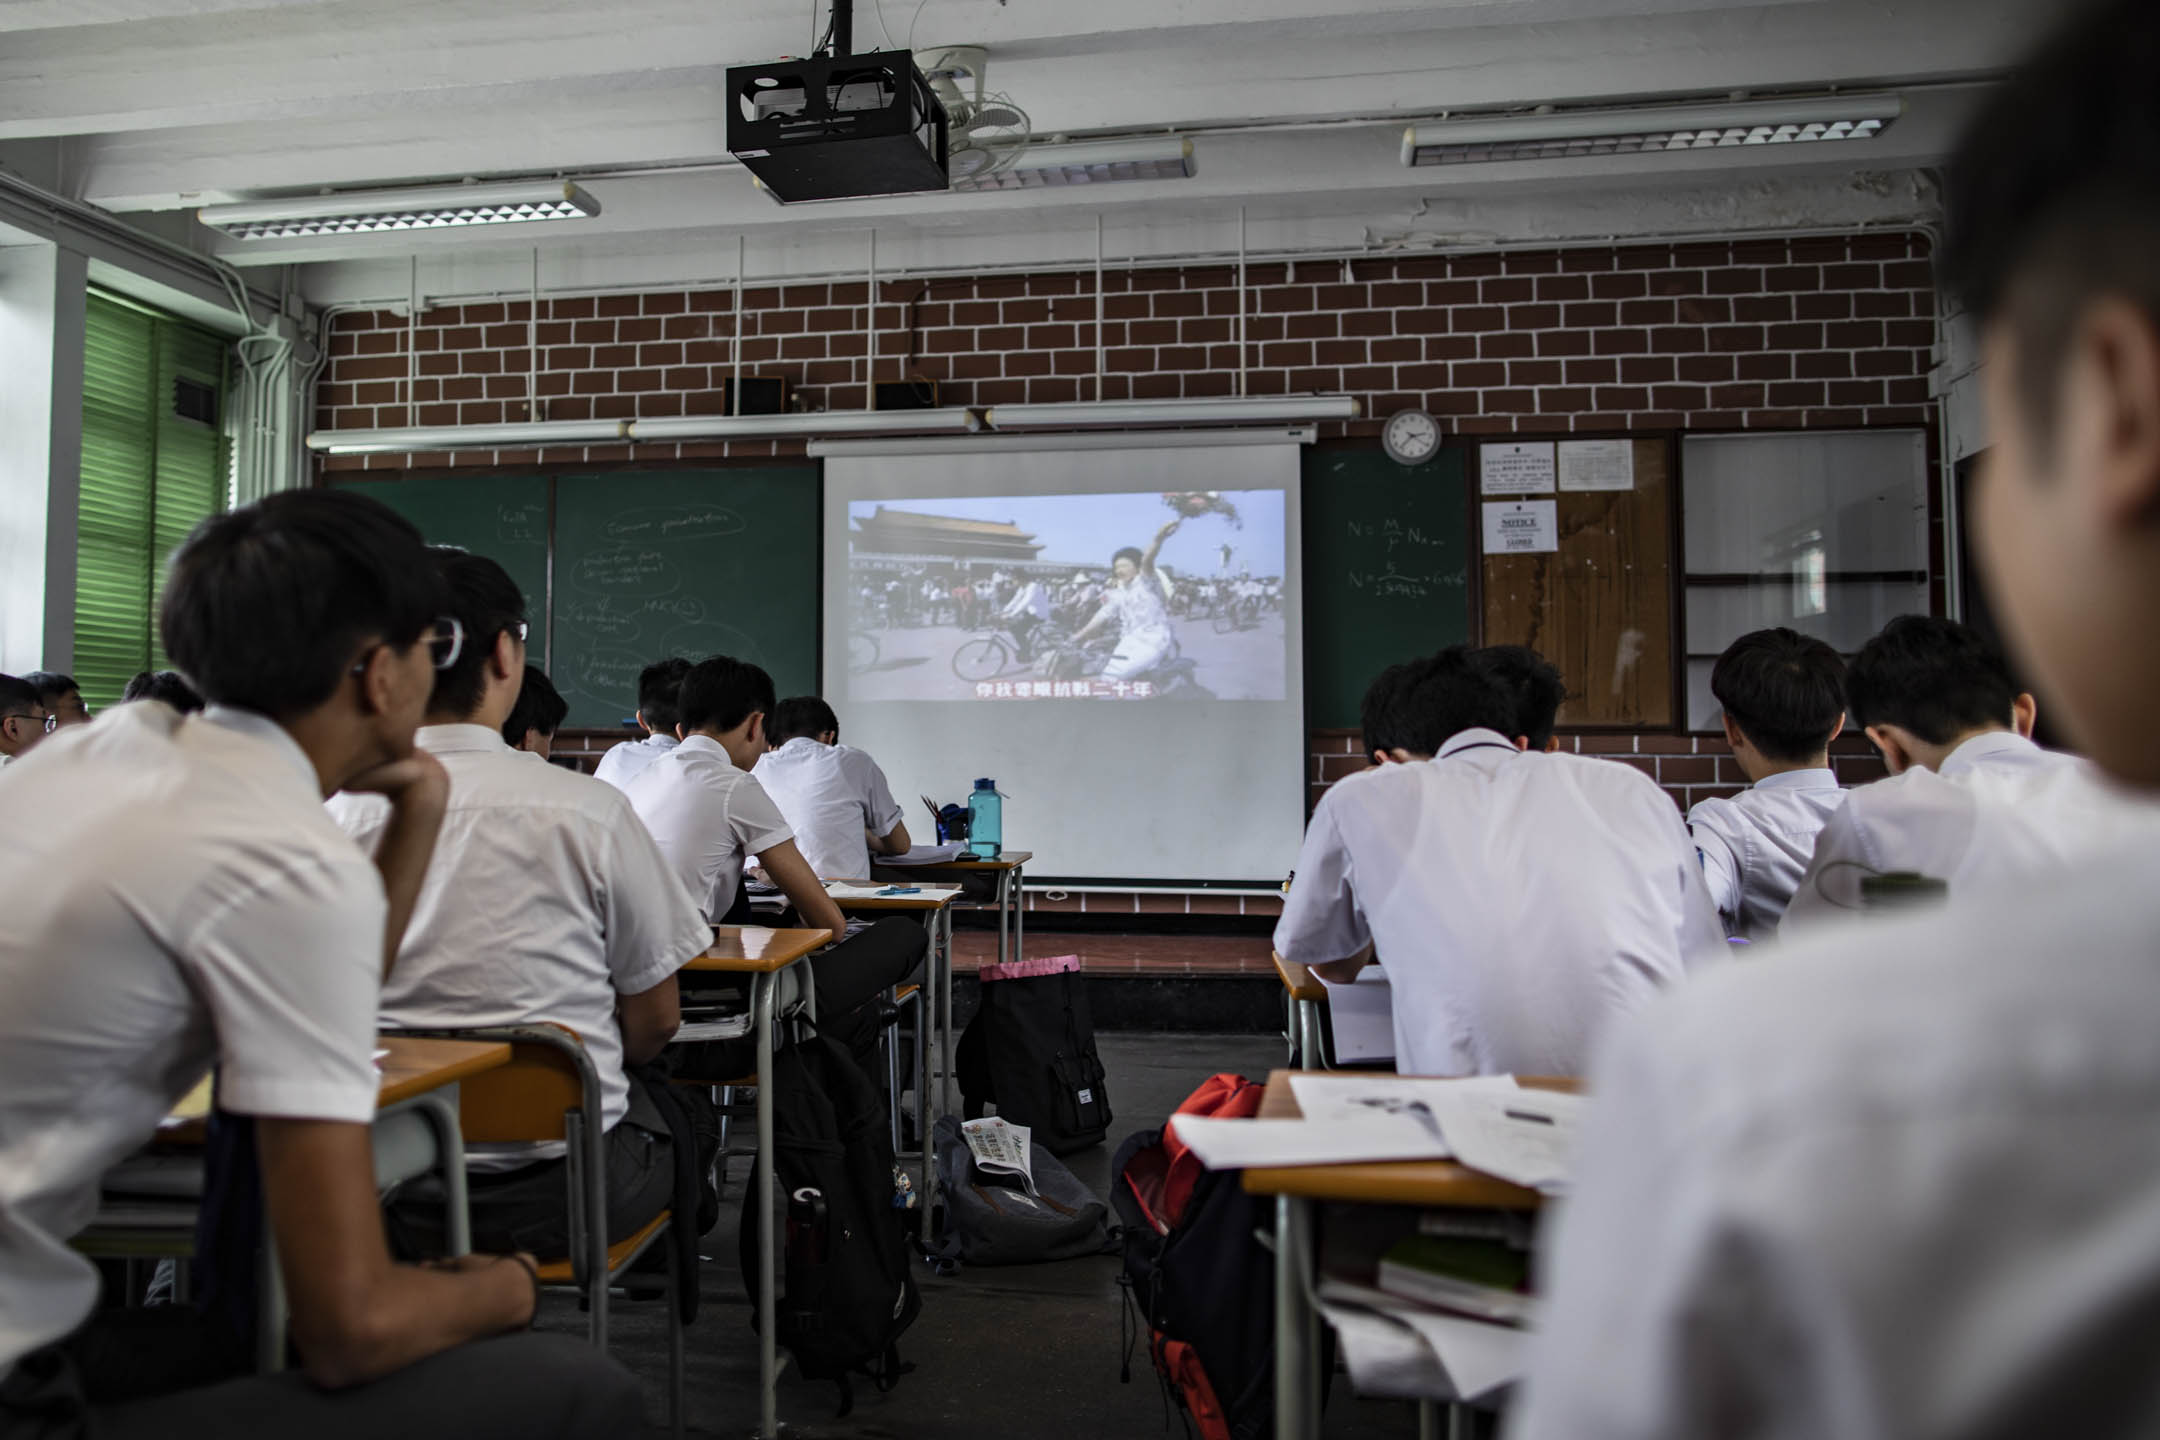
[
  {"x": 673, "y": 522},
  {"x": 521, "y": 524},
  {"x": 1391, "y": 583},
  {"x": 605, "y": 672},
  {"x": 1391, "y": 533},
  {"x": 626, "y": 570}
]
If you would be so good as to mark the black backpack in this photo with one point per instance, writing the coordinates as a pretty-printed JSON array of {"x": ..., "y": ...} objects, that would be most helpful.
[
  {"x": 1030, "y": 1050},
  {"x": 847, "y": 1291}
]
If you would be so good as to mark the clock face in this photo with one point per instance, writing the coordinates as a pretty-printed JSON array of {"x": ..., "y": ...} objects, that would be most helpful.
[{"x": 1411, "y": 437}]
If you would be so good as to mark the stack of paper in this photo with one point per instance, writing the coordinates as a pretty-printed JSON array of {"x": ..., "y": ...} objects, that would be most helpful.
[
  {"x": 925, "y": 855},
  {"x": 1424, "y": 1354}
]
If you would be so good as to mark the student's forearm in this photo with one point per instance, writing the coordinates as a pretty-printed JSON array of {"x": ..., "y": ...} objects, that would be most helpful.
[{"x": 1342, "y": 972}]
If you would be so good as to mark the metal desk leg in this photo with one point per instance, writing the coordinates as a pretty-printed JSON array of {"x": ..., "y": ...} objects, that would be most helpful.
[
  {"x": 400, "y": 1156},
  {"x": 1297, "y": 1324},
  {"x": 1004, "y": 914},
  {"x": 761, "y": 1009},
  {"x": 1019, "y": 904},
  {"x": 926, "y": 1024},
  {"x": 945, "y": 1024}
]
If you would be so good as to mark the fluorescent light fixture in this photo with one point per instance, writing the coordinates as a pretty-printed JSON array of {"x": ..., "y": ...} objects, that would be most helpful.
[
  {"x": 1229, "y": 410},
  {"x": 1050, "y": 167},
  {"x": 431, "y": 207},
  {"x": 1011, "y": 444},
  {"x": 1566, "y": 134},
  {"x": 954, "y": 419}
]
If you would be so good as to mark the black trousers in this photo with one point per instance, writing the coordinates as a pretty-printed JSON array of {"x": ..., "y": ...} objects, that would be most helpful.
[
  {"x": 514, "y": 1387},
  {"x": 848, "y": 979},
  {"x": 527, "y": 1208}
]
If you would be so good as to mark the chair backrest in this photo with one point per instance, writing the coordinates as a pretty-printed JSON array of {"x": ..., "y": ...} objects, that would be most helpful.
[{"x": 525, "y": 1100}]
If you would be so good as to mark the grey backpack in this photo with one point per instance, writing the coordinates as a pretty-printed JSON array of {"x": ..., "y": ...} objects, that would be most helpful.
[{"x": 995, "y": 1222}]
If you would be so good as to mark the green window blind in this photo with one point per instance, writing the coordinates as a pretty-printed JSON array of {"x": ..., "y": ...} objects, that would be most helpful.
[{"x": 151, "y": 469}]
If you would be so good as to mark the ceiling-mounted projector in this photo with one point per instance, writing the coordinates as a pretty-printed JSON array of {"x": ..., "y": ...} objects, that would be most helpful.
[{"x": 838, "y": 127}]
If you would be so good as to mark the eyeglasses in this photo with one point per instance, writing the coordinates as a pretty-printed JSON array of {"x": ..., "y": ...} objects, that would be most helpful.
[
  {"x": 50, "y": 722},
  {"x": 445, "y": 641},
  {"x": 521, "y": 630}
]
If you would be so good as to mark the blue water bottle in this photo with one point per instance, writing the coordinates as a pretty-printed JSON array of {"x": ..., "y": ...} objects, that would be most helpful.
[{"x": 986, "y": 820}]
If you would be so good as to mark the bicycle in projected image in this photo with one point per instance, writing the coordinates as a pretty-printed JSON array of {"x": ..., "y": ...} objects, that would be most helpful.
[{"x": 996, "y": 653}]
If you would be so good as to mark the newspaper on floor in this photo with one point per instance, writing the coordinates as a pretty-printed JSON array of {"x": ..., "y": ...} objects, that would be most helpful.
[
  {"x": 1424, "y": 1355},
  {"x": 1000, "y": 1147}
]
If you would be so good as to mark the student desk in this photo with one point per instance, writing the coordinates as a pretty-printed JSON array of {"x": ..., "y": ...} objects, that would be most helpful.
[
  {"x": 1428, "y": 1184},
  {"x": 765, "y": 955},
  {"x": 1007, "y": 902},
  {"x": 936, "y": 911},
  {"x": 1307, "y": 999},
  {"x": 415, "y": 1130}
]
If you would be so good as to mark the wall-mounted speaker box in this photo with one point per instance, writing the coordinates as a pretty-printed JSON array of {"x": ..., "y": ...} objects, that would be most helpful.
[
  {"x": 757, "y": 395},
  {"x": 904, "y": 395}
]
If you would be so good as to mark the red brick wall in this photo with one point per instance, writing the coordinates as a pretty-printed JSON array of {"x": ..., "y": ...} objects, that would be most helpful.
[{"x": 1757, "y": 333}]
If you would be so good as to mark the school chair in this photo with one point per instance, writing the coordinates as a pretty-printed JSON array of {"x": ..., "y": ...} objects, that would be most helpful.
[{"x": 551, "y": 1091}]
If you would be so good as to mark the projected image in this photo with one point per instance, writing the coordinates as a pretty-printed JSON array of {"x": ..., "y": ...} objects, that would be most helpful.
[{"x": 1148, "y": 596}]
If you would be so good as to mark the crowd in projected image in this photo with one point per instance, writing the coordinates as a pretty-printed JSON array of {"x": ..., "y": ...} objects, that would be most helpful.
[{"x": 1146, "y": 596}]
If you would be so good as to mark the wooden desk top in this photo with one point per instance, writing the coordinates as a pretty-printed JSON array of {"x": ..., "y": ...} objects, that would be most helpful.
[
  {"x": 891, "y": 902},
  {"x": 1301, "y": 984},
  {"x": 1429, "y": 1183},
  {"x": 756, "y": 949},
  {"x": 415, "y": 1066},
  {"x": 1010, "y": 860}
]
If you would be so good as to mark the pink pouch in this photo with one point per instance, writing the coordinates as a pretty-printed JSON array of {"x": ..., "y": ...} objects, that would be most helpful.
[{"x": 1029, "y": 969}]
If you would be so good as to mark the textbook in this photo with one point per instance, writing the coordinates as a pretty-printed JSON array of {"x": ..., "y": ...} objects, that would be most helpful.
[{"x": 1477, "y": 1277}]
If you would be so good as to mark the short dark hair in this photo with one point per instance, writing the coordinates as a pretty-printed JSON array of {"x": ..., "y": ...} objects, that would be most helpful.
[
  {"x": 1452, "y": 692},
  {"x": 51, "y": 684},
  {"x": 800, "y": 715},
  {"x": 486, "y": 601},
  {"x": 1536, "y": 685},
  {"x": 539, "y": 707},
  {"x": 267, "y": 607},
  {"x": 2052, "y": 196},
  {"x": 1139, "y": 560},
  {"x": 169, "y": 686},
  {"x": 1386, "y": 717},
  {"x": 17, "y": 692},
  {"x": 721, "y": 692},
  {"x": 659, "y": 693},
  {"x": 1784, "y": 690},
  {"x": 1936, "y": 678}
]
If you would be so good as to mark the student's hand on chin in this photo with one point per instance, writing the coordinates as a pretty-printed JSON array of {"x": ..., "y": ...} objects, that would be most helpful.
[{"x": 413, "y": 776}]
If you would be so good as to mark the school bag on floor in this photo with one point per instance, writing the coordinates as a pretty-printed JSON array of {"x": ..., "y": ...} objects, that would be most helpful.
[
  {"x": 993, "y": 1222},
  {"x": 1030, "y": 1051},
  {"x": 1203, "y": 1284},
  {"x": 847, "y": 1290}
]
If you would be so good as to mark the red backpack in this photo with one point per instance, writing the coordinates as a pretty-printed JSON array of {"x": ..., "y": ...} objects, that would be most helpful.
[{"x": 1199, "y": 1279}]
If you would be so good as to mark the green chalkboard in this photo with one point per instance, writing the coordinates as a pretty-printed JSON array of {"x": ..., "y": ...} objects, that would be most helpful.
[
  {"x": 683, "y": 562},
  {"x": 504, "y": 517},
  {"x": 1386, "y": 569}
]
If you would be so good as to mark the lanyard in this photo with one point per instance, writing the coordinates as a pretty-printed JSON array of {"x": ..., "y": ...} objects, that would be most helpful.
[{"x": 1480, "y": 745}]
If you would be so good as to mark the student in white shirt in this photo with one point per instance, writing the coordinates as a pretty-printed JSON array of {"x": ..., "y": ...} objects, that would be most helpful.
[
  {"x": 547, "y": 903},
  {"x": 61, "y": 696},
  {"x": 1783, "y": 695},
  {"x": 176, "y": 897},
  {"x": 1901, "y": 1180},
  {"x": 1970, "y": 797},
  {"x": 657, "y": 687},
  {"x": 1027, "y": 612},
  {"x": 1134, "y": 602},
  {"x": 1522, "y": 900},
  {"x": 1389, "y": 728},
  {"x": 24, "y": 720},
  {"x": 835, "y": 798},
  {"x": 540, "y": 710},
  {"x": 709, "y": 815}
]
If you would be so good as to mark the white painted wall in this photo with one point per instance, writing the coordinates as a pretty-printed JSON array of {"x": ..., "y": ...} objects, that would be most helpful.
[{"x": 42, "y": 295}]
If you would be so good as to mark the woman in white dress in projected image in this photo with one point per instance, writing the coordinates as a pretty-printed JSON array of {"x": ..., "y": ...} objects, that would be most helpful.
[{"x": 1135, "y": 601}]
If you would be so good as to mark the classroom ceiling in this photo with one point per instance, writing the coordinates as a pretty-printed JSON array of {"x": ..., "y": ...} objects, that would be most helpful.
[{"x": 155, "y": 107}]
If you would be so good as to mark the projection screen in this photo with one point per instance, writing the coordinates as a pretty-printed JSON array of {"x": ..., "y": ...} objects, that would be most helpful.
[{"x": 1113, "y": 635}]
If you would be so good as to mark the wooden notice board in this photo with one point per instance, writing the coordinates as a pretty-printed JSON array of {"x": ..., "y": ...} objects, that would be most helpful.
[
  {"x": 1387, "y": 557},
  {"x": 1600, "y": 606},
  {"x": 683, "y": 562}
]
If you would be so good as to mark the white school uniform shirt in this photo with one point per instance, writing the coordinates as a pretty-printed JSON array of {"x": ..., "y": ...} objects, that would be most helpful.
[
  {"x": 630, "y": 758},
  {"x": 545, "y": 900},
  {"x": 1520, "y": 901},
  {"x": 172, "y": 895},
  {"x": 1030, "y": 598},
  {"x": 706, "y": 816},
  {"x": 2000, "y": 806},
  {"x": 1756, "y": 845},
  {"x": 829, "y": 795},
  {"x": 1901, "y": 1181}
]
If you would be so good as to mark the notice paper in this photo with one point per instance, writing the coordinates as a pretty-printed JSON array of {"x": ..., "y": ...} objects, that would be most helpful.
[
  {"x": 1521, "y": 527},
  {"x": 1597, "y": 464},
  {"x": 1516, "y": 468},
  {"x": 1527, "y": 1137}
]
